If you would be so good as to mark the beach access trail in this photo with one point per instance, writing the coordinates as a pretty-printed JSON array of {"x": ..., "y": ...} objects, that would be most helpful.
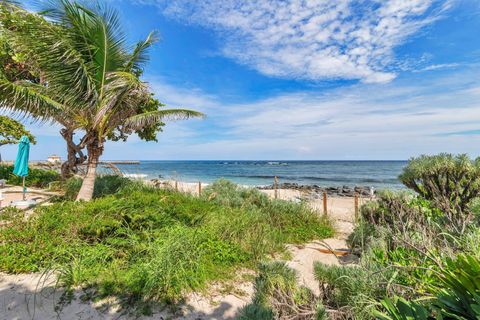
[{"x": 33, "y": 296}]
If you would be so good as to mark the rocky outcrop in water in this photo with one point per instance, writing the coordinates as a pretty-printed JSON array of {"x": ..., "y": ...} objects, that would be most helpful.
[{"x": 317, "y": 191}]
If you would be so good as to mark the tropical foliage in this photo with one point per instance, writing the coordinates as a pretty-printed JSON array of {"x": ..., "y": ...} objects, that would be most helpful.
[
  {"x": 416, "y": 262},
  {"x": 449, "y": 182},
  {"x": 457, "y": 295},
  {"x": 36, "y": 177},
  {"x": 11, "y": 131},
  {"x": 278, "y": 296}
]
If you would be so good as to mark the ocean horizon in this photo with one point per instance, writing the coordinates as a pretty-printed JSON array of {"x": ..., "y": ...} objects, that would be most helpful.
[{"x": 381, "y": 174}]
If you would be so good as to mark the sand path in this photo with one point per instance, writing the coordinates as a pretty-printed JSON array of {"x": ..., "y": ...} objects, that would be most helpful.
[{"x": 29, "y": 296}]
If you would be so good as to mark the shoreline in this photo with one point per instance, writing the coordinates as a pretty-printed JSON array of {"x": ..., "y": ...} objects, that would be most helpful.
[{"x": 306, "y": 192}]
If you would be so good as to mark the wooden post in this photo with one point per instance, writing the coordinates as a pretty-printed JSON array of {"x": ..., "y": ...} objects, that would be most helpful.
[
  {"x": 324, "y": 202},
  {"x": 275, "y": 187},
  {"x": 199, "y": 188},
  {"x": 356, "y": 205},
  {"x": 176, "y": 185}
]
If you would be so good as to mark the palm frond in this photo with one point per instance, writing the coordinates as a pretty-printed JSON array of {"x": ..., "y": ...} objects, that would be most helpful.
[
  {"x": 150, "y": 118},
  {"x": 123, "y": 93},
  {"x": 53, "y": 50},
  {"x": 139, "y": 55},
  {"x": 26, "y": 101}
]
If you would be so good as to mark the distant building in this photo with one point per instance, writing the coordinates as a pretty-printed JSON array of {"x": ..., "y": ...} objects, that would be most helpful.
[{"x": 54, "y": 159}]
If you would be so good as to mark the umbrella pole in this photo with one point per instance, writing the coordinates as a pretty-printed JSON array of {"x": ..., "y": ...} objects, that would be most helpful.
[{"x": 24, "y": 190}]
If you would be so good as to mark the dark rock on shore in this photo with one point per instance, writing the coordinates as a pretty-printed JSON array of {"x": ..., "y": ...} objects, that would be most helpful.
[{"x": 317, "y": 191}]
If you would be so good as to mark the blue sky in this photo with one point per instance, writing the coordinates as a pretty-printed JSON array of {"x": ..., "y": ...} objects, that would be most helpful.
[{"x": 346, "y": 79}]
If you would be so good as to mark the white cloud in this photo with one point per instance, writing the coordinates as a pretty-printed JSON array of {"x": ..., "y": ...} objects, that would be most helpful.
[
  {"x": 440, "y": 66},
  {"x": 316, "y": 39}
]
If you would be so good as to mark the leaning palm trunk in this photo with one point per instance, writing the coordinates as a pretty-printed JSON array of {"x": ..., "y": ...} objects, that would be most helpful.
[
  {"x": 95, "y": 150},
  {"x": 75, "y": 155}
]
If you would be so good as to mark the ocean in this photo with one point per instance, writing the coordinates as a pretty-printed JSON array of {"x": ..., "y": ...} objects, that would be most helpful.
[{"x": 378, "y": 174}]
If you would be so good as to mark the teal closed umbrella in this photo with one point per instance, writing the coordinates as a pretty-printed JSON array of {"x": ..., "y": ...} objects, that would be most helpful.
[{"x": 20, "y": 168}]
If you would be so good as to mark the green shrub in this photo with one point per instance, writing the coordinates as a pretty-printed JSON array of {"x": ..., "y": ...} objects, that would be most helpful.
[
  {"x": 104, "y": 186},
  {"x": 404, "y": 231},
  {"x": 400, "y": 219},
  {"x": 401, "y": 211},
  {"x": 184, "y": 259},
  {"x": 37, "y": 178},
  {"x": 457, "y": 295},
  {"x": 362, "y": 236},
  {"x": 288, "y": 222},
  {"x": 474, "y": 207},
  {"x": 470, "y": 242},
  {"x": 449, "y": 181},
  {"x": 458, "y": 288},
  {"x": 10, "y": 214},
  {"x": 399, "y": 308},
  {"x": 430, "y": 240},
  {"x": 278, "y": 296},
  {"x": 351, "y": 289},
  {"x": 255, "y": 312},
  {"x": 229, "y": 194}
]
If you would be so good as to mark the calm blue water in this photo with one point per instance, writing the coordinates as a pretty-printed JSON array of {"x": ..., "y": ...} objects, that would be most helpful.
[{"x": 379, "y": 174}]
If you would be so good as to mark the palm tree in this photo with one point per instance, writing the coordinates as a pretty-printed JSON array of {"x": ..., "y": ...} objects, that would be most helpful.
[{"x": 93, "y": 76}]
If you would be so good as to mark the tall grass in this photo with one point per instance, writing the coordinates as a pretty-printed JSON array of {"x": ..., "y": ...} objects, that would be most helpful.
[
  {"x": 104, "y": 185},
  {"x": 148, "y": 244},
  {"x": 278, "y": 296}
]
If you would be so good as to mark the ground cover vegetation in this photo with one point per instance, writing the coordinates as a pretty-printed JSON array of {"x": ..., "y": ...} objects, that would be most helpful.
[
  {"x": 143, "y": 244},
  {"x": 38, "y": 178},
  {"x": 419, "y": 256}
]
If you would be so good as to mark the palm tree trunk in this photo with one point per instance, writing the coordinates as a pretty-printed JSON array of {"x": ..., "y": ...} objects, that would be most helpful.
[
  {"x": 95, "y": 150},
  {"x": 70, "y": 166}
]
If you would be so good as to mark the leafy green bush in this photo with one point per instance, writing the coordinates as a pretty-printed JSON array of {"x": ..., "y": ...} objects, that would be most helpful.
[
  {"x": 104, "y": 185},
  {"x": 458, "y": 288},
  {"x": 38, "y": 178},
  {"x": 474, "y": 207},
  {"x": 351, "y": 289},
  {"x": 229, "y": 194},
  {"x": 403, "y": 231},
  {"x": 457, "y": 295},
  {"x": 362, "y": 236},
  {"x": 401, "y": 211},
  {"x": 399, "y": 308},
  {"x": 10, "y": 214},
  {"x": 144, "y": 243},
  {"x": 430, "y": 240},
  {"x": 449, "y": 181},
  {"x": 278, "y": 296}
]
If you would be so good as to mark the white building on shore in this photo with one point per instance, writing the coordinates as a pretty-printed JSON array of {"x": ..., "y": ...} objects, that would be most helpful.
[{"x": 54, "y": 159}]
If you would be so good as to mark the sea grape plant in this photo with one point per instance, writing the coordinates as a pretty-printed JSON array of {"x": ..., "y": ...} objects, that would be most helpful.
[{"x": 449, "y": 181}]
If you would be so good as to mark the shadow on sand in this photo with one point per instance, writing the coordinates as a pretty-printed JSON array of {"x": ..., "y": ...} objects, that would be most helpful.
[{"x": 30, "y": 296}]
